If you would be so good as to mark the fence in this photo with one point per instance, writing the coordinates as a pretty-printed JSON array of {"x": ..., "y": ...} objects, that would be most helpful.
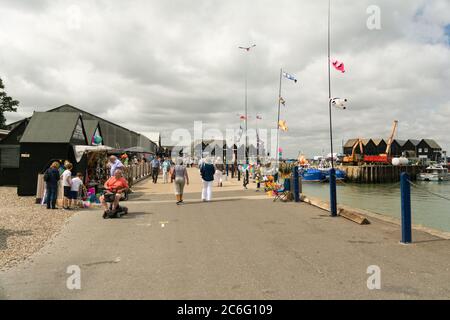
[
  {"x": 405, "y": 188},
  {"x": 137, "y": 172}
]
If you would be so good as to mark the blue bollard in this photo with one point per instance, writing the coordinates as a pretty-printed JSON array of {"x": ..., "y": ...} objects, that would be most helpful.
[
  {"x": 296, "y": 185},
  {"x": 333, "y": 202},
  {"x": 405, "y": 189}
]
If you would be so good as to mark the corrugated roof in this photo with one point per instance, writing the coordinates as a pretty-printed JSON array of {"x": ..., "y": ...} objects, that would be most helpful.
[
  {"x": 50, "y": 127},
  {"x": 433, "y": 144}
]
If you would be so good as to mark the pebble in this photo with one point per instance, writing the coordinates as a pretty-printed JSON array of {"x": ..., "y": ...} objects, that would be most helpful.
[{"x": 25, "y": 227}]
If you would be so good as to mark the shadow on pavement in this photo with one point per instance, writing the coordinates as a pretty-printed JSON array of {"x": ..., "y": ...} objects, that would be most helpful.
[{"x": 5, "y": 233}]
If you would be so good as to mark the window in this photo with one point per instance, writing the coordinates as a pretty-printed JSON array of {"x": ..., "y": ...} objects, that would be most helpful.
[
  {"x": 78, "y": 134},
  {"x": 9, "y": 156},
  {"x": 425, "y": 150},
  {"x": 420, "y": 149}
]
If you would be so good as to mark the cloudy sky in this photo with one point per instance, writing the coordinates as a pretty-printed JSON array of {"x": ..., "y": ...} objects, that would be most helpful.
[{"x": 161, "y": 65}]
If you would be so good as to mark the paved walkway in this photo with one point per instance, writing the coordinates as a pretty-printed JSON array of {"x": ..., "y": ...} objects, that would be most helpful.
[{"x": 240, "y": 246}]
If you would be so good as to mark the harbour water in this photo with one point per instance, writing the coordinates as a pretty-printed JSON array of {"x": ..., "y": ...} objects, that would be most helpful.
[{"x": 427, "y": 209}]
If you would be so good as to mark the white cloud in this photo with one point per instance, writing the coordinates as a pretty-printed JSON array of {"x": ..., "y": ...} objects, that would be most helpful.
[{"x": 160, "y": 65}]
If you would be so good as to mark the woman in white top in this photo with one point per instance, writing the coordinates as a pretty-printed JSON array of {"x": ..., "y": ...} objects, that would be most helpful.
[{"x": 66, "y": 178}]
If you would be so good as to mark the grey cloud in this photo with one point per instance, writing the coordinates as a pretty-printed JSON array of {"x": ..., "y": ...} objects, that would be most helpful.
[{"x": 170, "y": 63}]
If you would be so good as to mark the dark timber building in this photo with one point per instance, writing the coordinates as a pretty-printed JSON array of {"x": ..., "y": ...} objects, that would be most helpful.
[{"x": 45, "y": 136}]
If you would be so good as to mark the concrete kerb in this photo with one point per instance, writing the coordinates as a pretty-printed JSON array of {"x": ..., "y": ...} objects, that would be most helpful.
[{"x": 361, "y": 216}]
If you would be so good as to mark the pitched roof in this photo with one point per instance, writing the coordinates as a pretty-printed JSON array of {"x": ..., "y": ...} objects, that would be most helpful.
[
  {"x": 378, "y": 141},
  {"x": 350, "y": 143},
  {"x": 433, "y": 144},
  {"x": 153, "y": 136},
  {"x": 51, "y": 127},
  {"x": 90, "y": 126},
  {"x": 414, "y": 141},
  {"x": 401, "y": 143},
  {"x": 70, "y": 108}
]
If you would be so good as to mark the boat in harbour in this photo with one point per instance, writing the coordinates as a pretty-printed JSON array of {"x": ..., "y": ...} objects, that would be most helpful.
[
  {"x": 325, "y": 167},
  {"x": 435, "y": 172},
  {"x": 312, "y": 175}
]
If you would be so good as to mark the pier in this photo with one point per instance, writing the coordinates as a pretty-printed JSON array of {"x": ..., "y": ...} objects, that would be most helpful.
[{"x": 379, "y": 173}]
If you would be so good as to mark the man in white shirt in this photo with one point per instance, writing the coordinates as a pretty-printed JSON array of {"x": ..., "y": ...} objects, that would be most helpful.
[{"x": 115, "y": 164}]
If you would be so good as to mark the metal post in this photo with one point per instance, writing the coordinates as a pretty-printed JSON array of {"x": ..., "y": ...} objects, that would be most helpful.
[
  {"x": 296, "y": 185},
  {"x": 333, "y": 202},
  {"x": 405, "y": 189},
  {"x": 333, "y": 206}
]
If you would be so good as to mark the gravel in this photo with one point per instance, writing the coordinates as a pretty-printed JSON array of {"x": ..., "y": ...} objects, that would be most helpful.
[{"x": 25, "y": 227}]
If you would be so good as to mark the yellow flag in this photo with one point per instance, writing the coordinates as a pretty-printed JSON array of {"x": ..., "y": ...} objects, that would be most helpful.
[{"x": 282, "y": 125}]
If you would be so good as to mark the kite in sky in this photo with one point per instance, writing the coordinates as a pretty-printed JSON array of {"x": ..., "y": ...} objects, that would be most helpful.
[
  {"x": 247, "y": 48},
  {"x": 338, "y": 65}
]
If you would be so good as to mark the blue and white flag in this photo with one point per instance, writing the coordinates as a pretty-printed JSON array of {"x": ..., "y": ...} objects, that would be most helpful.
[{"x": 289, "y": 76}]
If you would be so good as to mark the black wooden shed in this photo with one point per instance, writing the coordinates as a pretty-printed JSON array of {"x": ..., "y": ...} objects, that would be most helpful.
[{"x": 49, "y": 136}]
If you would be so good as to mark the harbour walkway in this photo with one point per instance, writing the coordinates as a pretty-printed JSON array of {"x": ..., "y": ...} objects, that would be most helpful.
[{"x": 239, "y": 246}]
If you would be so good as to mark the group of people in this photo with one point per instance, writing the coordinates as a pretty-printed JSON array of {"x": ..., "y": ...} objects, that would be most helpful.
[
  {"x": 72, "y": 185},
  {"x": 117, "y": 184},
  {"x": 209, "y": 173},
  {"x": 158, "y": 164}
]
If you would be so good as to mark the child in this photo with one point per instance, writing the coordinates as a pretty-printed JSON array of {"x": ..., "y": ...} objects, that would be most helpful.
[
  {"x": 66, "y": 178},
  {"x": 77, "y": 184}
]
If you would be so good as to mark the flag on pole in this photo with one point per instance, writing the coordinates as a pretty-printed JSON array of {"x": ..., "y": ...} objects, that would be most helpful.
[
  {"x": 282, "y": 125},
  {"x": 289, "y": 76},
  {"x": 338, "y": 65},
  {"x": 282, "y": 101}
]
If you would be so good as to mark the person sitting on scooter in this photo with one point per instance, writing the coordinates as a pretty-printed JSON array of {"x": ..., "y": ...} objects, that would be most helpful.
[{"x": 115, "y": 185}]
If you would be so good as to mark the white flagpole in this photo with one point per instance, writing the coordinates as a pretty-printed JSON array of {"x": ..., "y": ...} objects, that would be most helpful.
[{"x": 278, "y": 120}]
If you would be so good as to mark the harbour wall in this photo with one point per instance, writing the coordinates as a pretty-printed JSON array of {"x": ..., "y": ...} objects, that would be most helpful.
[{"x": 379, "y": 173}]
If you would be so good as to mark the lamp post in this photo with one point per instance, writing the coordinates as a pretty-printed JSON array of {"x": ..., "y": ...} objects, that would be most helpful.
[
  {"x": 333, "y": 202},
  {"x": 247, "y": 49}
]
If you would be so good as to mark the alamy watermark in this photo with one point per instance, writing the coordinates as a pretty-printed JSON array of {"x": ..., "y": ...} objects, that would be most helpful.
[
  {"x": 73, "y": 282},
  {"x": 229, "y": 145},
  {"x": 374, "y": 19},
  {"x": 374, "y": 280}
]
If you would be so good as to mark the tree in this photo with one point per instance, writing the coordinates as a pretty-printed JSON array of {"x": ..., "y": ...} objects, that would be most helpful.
[{"x": 7, "y": 104}]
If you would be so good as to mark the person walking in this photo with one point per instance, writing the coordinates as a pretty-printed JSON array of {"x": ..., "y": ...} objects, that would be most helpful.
[
  {"x": 219, "y": 171},
  {"x": 165, "y": 169},
  {"x": 114, "y": 165},
  {"x": 156, "y": 164},
  {"x": 207, "y": 172},
  {"x": 51, "y": 178},
  {"x": 180, "y": 177}
]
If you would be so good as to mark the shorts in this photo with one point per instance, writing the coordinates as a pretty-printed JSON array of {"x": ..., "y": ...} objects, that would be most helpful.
[
  {"x": 179, "y": 185},
  {"x": 67, "y": 192},
  {"x": 73, "y": 195}
]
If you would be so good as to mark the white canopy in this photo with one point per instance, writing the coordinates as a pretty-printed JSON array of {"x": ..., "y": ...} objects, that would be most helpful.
[{"x": 80, "y": 150}]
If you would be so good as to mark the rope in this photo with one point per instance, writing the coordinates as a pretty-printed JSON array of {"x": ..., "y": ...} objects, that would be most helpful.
[{"x": 430, "y": 192}]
